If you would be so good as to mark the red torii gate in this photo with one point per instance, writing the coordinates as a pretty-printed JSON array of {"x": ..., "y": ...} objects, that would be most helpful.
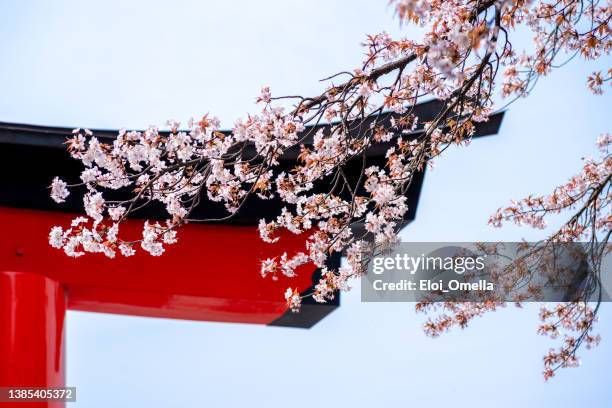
[{"x": 211, "y": 274}]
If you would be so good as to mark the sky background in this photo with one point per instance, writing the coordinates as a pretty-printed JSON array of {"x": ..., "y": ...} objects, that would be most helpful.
[{"x": 111, "y": 64}]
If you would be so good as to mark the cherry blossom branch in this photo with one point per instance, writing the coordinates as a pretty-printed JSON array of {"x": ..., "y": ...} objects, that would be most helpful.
[{"x": 331, "y": 137}]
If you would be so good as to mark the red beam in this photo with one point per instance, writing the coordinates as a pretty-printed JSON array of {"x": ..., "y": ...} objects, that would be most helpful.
[{"x": 212, "y": 273}]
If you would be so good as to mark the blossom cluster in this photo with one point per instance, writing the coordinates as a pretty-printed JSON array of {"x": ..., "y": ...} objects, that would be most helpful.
[
  {"x": 588, "y": 190},
  {"x": 172, "y": 168},
  {"x": 575, "y": 320}
]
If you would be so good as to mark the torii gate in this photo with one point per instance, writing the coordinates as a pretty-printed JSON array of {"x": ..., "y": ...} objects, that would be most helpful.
[{"x": 38, "y": 283}]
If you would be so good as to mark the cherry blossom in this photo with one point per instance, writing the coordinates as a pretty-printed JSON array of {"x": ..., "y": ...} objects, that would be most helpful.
[
  {"x": 59, "y": 190},
  {"x": 293, "y": 298}
]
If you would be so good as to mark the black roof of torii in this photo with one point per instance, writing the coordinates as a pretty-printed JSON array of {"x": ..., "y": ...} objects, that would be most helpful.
[{"x": 32, "y": 155}]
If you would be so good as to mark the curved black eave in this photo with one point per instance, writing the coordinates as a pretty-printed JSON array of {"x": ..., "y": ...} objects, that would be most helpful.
[{"x": 31, "y": 156}]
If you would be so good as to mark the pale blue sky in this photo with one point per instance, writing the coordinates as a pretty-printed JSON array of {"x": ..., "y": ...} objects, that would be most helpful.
[{"x": 132, "y": 63}]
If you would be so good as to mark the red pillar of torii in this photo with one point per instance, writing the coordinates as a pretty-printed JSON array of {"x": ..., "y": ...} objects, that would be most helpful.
[{"x": 211, "y": 274}]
